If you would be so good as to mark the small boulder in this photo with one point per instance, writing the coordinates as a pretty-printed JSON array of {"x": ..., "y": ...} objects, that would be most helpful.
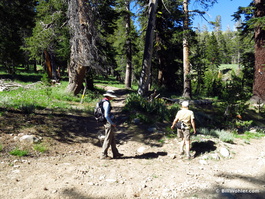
[
  {"x": 141, "y": 150},
  {"x": 224, "y": 152},
  {"x": 29, "y": 139}
]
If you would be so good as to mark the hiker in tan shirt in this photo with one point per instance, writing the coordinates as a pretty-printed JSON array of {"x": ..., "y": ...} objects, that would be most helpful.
[{"x": 187, "y": 117}]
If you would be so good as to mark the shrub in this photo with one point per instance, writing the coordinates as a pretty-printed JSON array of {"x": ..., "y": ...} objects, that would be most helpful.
[
  {"x": 147, "y": 111},
  {"x": 223, "y": 135},
  {"x": 206, "y": 131}
]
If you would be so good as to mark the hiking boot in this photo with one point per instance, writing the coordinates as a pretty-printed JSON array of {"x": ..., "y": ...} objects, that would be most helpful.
[
  {"x": 105, "y": 158},
  {"x": 118, "y": 156}
]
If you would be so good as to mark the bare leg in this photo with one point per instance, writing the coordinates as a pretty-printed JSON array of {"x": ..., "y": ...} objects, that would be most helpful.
[
  {"x": 187, "y": 143},
  {"x": 182, "y": 143}
]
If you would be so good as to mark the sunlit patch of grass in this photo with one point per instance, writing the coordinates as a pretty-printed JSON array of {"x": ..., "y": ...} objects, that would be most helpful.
[
  {"x": 18, "y": 152},
  {"x": 40, "y": 148},
  {"x": 250, "y": 135},
  {"x": 38, "y": 96}
]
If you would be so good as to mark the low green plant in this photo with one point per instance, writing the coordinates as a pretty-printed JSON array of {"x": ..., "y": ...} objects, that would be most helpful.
[
  {"x": 40, "y": 148},
  {"x": 250, "y": 135},
  {"x": 148, "y": 111},
  {"x": 207, "y": 132},
  {"x": 162, "y": 141},
  {"x": 246, "y": 124},
  {"x": 1, "y": 147},
  {"x": 170, "y": 133},
  {"x": 223, "y": 135},
  {"x": 18, "y": 152}
]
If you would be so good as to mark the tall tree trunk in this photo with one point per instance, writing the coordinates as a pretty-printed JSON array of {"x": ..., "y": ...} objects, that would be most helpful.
[
  {"x": 128, "y": 73},
  {"x": 148, "y": 50},
  {"x": 50, "y": 66},
  {"x": 83, "y": 50},
  {"x": 186, "y": 61},
  {"x": 259, "y": 76}
]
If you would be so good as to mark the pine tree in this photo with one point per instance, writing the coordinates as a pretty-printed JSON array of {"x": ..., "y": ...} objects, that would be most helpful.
[
  {"x": 254, "y": 21},
  {"x": 50, "y": 37},
  {"x": 16, "y": 21}
]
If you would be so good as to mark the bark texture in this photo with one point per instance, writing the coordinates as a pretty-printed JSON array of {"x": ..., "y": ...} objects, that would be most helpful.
[
  {"x": 50, "y": 66},
  {"x": 186, "y": 61},
  {"x": 148, "y": 50},
  {"x": 83, "y": 43},
  {"x": 259, "y": 76},
  {"x": 128, "y": 72}
]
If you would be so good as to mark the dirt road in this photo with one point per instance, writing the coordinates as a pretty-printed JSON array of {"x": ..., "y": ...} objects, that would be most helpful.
[{"x": 150, "y": 169}]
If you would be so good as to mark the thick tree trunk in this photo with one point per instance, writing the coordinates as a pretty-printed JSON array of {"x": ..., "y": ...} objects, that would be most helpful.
[
  {"x": 83, "y": 50},
  {"x": 128, "y": 72},
  {"x": 148, "y": 50},
  {"x": 76, "y": 79},
  {"x": 259, "y": 76},
  {"x": 186, "y": 61}
]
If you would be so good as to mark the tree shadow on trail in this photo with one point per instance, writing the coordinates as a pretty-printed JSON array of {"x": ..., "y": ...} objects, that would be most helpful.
[
  {"x": 222, "y": 191},
  {"x": 203, "y": 147},
  {"x": 149, "y": 155},
  {"x": 75, "y": 194}
]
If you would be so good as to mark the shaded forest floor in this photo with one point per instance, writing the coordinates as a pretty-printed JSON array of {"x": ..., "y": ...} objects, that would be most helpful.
[{"x": 151, "y": 166}]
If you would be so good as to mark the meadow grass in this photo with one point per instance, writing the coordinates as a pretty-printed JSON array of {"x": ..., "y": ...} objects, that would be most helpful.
[
  {"x": 101, "y": 80},
  {"x": 38, "y": 96}
]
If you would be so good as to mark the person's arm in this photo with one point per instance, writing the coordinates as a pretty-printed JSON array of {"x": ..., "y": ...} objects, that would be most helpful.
[
  {"x": 106, "y": 106},
  {"x": 193, "y": 126},
  {"x": 174, "y": 123}
]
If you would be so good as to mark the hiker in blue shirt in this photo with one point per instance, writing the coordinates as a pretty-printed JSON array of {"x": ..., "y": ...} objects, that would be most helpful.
[{"x": 109, "y": 128}]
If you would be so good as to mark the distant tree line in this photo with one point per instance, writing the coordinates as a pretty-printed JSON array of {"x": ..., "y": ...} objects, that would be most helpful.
[{"x": 163, "y": 50}]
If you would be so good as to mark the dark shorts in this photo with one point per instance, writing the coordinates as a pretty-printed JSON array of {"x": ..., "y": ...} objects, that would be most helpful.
[{"x": 184, "y": 134}]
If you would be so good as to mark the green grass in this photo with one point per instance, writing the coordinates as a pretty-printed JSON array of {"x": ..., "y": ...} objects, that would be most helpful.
[
  {"x": 1, "y": 147},
  {"x": 250, "y": 135},
  {"x": 101, "y": 80},
  {"x": 18, "y": 152},
  {"x": 38, "y": 96},
  {"x": 229, "y": 137},
  {"x": 40, "y": 148}
]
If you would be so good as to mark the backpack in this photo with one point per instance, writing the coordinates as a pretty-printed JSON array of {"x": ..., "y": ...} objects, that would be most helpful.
[
  {"x": 180, "y": 125},
  {"x": 99, "y": 111}
]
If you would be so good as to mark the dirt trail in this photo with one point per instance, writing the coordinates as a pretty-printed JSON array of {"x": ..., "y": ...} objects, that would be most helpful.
[{"x": 149, "y": 169}]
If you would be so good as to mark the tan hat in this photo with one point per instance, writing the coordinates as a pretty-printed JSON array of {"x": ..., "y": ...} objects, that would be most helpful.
[{"x": 110, "y": 93}]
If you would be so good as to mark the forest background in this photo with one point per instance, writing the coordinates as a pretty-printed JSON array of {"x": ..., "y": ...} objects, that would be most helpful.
[
  {"x": 81, "y": 41},
  {"x": 57, "y": 58}
]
